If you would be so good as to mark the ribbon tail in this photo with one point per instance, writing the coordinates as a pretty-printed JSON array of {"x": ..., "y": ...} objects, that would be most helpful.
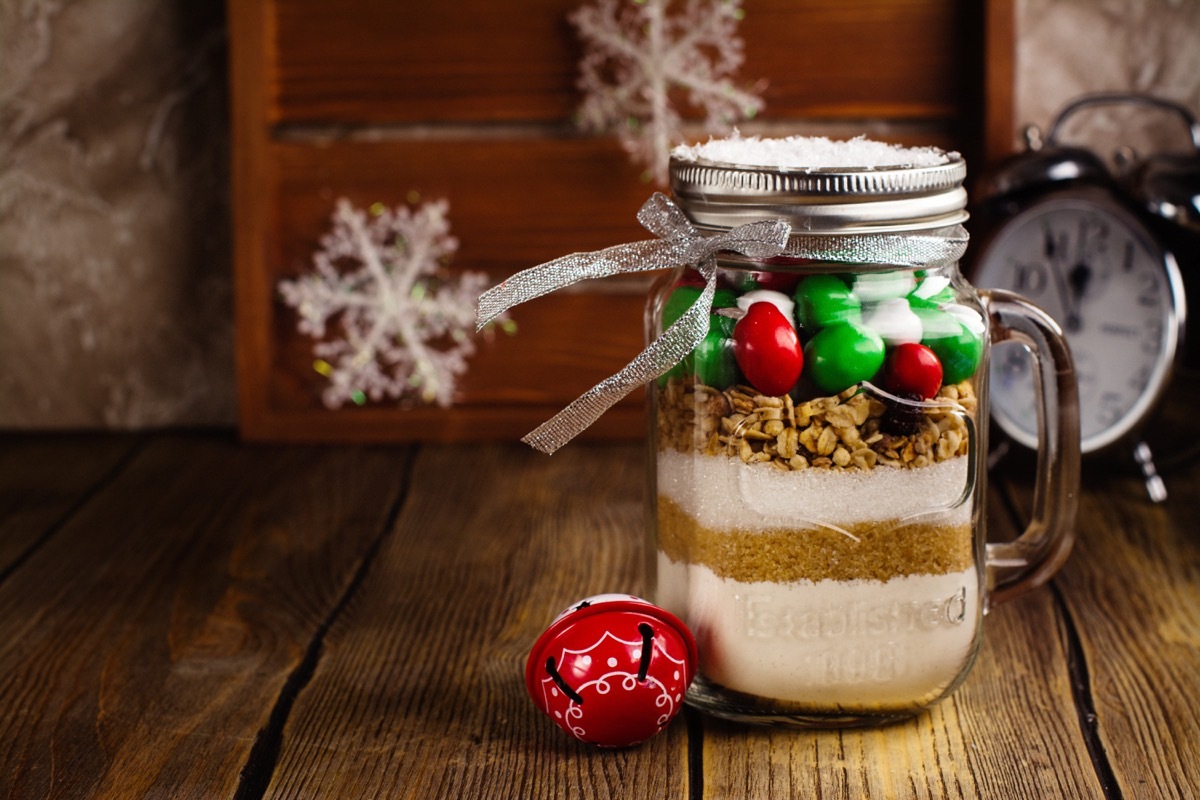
[
  {"x": 663, "y": 353},
  {"x": 528, "y": 284}
]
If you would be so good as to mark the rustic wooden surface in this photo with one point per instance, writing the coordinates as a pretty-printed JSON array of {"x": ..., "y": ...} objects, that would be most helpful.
[
  {"x": 473, "y": 102},
  {"x": 184, "y": 616}
]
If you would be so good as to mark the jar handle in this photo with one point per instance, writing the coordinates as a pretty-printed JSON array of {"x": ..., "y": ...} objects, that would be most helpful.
[{"x": 1032, "y": 558}]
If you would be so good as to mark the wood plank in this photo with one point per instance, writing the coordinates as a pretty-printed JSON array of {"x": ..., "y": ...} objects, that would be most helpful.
[
  {"x": 366, "y": 63},
  {"x": 1132, "y": 587},
  {"x": 862, "y": 59},
  {"x": 999, "y": 83},
  {"x": 471, "y": 423},
  {"x": 513, "y": 202},
  {"x": 43, "y": 481},
  {"x": 369, "y": 61},
  {"x": 251, "y": 170},
  {"x": 563, "y": 347},
  {"x": 420, "y": 692},
  {"x": 145, "y": 645},
  {"x": 1009, "y": 731},
  {"x": 1017, "y": 711}
]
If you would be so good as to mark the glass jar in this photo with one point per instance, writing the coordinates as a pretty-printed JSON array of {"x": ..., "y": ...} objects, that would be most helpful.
[{"x": 818, "y": 463}]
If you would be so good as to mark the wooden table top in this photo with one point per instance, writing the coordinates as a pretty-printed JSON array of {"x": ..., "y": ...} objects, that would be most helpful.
[{"x": 184, "y": 616}]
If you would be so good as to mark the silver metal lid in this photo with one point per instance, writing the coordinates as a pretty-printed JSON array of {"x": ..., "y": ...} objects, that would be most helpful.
[{"x": 719, "y": 196}]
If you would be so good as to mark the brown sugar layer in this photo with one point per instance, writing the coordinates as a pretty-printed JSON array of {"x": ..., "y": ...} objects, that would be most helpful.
[
  {"x": 879, "y": 550},
  {"x": 844, "y": 431}
]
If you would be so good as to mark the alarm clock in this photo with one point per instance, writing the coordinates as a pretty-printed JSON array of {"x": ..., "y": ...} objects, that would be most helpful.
[{"x": 1110, "y": 257}]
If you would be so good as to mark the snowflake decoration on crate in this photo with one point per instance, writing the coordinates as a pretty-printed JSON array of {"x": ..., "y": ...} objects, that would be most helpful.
[
  {"x": 398, "y": 326},
  {"x": 637, "y": 53}
]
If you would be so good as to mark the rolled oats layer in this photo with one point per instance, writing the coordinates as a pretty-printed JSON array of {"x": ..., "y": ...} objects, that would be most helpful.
[{"x": 846, "y": 431}]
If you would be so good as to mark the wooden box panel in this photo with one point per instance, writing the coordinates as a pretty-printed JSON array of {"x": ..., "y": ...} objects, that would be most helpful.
[
  {"x": 378, "y": 61},
  {"x": 513, "y": 203},
  {"x": 472, "y": 102},
  {"x": 369, "y": 61}
]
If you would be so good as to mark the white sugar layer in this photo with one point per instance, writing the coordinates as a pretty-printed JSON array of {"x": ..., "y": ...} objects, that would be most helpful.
[
  {"x": 833, "y": 645},
  {"x": 722, "y": 493}
]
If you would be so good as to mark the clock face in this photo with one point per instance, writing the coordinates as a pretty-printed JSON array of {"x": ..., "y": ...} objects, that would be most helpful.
[{"x": 1118, "y": 298}]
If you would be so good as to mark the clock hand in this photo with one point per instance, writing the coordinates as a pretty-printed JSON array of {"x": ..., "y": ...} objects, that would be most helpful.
[
  {"x": 1078, "y": 279},
  {"x": 1073, "y": 322},
  {"x": 1049, "y": 246},
  {"x": 1053, "y": 252},
  {"x": 1079, "y": 276}
]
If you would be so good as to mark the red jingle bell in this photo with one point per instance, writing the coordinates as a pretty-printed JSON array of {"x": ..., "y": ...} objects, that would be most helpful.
[{"x": 611, "y": 670}]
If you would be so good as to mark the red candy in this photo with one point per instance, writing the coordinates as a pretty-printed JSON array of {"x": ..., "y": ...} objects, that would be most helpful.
[
  {"x": 778, "y": 281},
  {"x": 612, "y": 670},
  {"x": 691, "y": 277},
  {"x": 912, "y": 368},
  {"x": 767, "y": 349}
]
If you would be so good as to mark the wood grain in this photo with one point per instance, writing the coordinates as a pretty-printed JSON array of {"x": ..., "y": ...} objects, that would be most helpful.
[
  {"x": 999, "y": 137},
  {"x": 514, "y": 202},
  {"x": 421, "y": 691},
  {"x": 43, "y": 481},
  {"x": 473, "y": 61},
  {"x": 144, "y": 646},
  {"x": 1133, "y": 591},
  {"x": 254, "y": 243},
  {"x": 1018, "y": 711}
]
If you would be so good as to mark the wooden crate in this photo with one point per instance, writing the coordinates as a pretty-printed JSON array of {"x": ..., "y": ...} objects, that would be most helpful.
[{"x": 472, "y": 101}]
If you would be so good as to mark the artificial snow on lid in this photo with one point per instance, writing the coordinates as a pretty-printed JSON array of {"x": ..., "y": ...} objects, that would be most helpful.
[
  {"x": 818, "y": 184},
  {"x": 811, "y": 153}
]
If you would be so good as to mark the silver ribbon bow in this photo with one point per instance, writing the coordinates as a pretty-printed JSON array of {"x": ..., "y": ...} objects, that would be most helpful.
[{"x": 680, "y": 243}]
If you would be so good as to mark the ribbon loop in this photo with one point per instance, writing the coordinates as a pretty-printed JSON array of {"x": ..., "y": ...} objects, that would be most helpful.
[
  {"x": 664, "y": 219},
  {"x": 679, "y": 243}
]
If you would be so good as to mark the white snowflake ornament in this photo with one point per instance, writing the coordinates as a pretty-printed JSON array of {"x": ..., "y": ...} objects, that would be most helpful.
[
  {"x": 637, "y": 53},
  {"x": 390, "y": 323}
]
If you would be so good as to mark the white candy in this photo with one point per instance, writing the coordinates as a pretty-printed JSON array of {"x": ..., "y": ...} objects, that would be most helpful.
[
  {"x": 894, "y": 321},
  {"x": 778, "y": 299},
  {"x": 969, "y": 317},
  {"x": 871, "y": 287},
  {"x": 931, "y": 286}
]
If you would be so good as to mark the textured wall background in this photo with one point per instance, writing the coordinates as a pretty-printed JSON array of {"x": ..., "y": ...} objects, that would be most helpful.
[
  {"x": 115, "y": 306},
  {"x": 1068, "y": 47},
  {"x": 115, "y": 300}
]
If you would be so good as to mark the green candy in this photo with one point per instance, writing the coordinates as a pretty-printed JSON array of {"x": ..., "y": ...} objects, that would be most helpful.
[
  {"x": 714, "y": 360},
  {"x": 922, "y": 296},
  {"x": 712, "y": 364},
  {"x": 956, "y": 346},
  {"x": 683, "y": 297},
  {"x": 842, "y": 355},
  {"x": 723, "y": 324},
  {"x": 822, "y": 300}
]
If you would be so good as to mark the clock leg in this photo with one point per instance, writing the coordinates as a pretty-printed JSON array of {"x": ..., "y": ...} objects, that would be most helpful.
[{"x": 1154, "y": 482}]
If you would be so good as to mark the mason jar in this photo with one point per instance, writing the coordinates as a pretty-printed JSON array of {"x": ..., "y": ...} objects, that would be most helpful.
[{"x": 818, "y": 463}]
